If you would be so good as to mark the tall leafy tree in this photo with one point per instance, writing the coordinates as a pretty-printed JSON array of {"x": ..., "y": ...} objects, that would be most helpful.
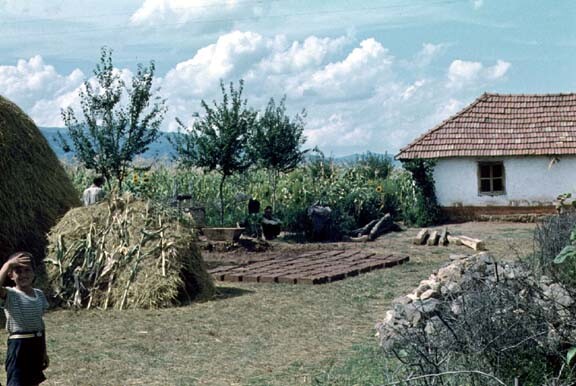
[
  {"x": 277, "y": 140},
  {"x": 117, "y": 121},
  {"x": 218, "y": 139}
]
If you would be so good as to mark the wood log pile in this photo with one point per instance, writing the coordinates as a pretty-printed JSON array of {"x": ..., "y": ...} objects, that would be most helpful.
[
  {"x": 443, "y": 237},
  {"x": 374, "y": 229}
]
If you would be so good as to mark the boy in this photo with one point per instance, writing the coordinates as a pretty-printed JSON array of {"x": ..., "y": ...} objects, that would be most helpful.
[
  {"x": 24, "y": 305},
  {"x": 95, "y": 192}
]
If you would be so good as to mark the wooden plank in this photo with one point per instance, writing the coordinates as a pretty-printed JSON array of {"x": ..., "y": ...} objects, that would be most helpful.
[
  {"x": 475, "y": 244},
  {"x": 454, "y": 240}
]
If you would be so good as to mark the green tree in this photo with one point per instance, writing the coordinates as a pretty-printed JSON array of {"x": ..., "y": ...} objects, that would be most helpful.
[
  {"x": 276, "y": 142},
  {"x": 218, "y": 140},
  {"x": 119, "y": 121}
]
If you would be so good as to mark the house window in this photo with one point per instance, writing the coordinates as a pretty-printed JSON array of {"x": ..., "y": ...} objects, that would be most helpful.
[{"x": 491, "y": 178}]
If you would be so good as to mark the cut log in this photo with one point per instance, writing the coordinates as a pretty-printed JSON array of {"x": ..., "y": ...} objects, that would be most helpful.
[
  {"x": 421, "y": 237},
  {"x": 454, "y": 240},
  {"x": 475, "y": 244},
  {"x": 365, "y": 229},
  {"x": 443, "y": 237},
  {"x": 433, "y": 239},
  {"x": 383, "y": 225},
  {"x": 359, "y": 239}
]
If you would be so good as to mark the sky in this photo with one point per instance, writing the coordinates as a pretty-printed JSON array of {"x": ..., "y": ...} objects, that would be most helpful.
[{"x": 371, "y": 75}]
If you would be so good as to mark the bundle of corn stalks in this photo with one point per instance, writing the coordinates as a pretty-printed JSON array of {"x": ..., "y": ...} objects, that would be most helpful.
[{"x": 125, "y": 253}]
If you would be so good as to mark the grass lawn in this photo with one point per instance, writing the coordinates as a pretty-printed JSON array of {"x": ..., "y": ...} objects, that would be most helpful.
[{"x": 253, "y": 334}]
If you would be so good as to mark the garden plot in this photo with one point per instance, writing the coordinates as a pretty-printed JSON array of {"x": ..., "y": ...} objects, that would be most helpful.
[{"x": 316, "y": 267}]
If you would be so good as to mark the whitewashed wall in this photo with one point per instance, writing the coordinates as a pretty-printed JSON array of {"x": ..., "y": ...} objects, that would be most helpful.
[{"x": 529, "y": 181}]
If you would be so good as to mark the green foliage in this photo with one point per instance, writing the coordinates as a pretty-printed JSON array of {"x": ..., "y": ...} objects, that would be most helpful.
[
  {"x": 419, "y": 205},
  {"x": 566, "y": 260},
  {"x": 354, "y": 198},
  {"x": 218, "y": 140},
  {"x": 555, "y": 248},
  {"x": 375, "y": 165},
  {"x": 276, "y": 141},
  {"x": 118, "y": 121}
]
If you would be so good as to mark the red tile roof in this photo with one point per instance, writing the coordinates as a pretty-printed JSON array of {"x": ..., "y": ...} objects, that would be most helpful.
[{"x": 502, "y": 125}]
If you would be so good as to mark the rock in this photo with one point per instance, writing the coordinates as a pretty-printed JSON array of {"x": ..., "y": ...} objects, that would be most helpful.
[
  {"x": 454, "y": 257},
  {"x": 559, "y": 295},
  {"x": 485, "y": 258},
  {"x": 449, "y": 273},
  {"x": 427, "y": 306},
  {"x": 429, "y": 294}
]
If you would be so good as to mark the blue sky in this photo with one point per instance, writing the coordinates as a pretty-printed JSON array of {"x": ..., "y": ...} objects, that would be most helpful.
[{"x": 372, "y": 75}]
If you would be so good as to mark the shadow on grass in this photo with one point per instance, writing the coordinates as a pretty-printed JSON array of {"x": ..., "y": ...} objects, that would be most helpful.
[{"x": 230, "y": 292}]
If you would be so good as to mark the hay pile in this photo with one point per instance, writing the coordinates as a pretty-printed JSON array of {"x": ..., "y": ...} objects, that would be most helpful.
[
  {"x": 124, "y": 253},
  {"x": 34, "y": 188}
]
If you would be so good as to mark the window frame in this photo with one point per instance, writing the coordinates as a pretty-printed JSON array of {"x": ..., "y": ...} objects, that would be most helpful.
[{"x": 491, "y": 178}]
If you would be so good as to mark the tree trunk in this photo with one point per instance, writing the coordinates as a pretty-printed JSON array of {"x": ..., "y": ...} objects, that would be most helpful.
[{"x": 222, "y": 200}]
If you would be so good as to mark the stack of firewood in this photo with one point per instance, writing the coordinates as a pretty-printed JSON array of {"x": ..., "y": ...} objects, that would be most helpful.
[
  {"x": 443, "y": 237},
  {"x": 374, "y": 229}
]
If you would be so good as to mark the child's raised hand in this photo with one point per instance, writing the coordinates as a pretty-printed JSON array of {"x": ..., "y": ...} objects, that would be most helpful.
[{"x": 20, "y": 260}]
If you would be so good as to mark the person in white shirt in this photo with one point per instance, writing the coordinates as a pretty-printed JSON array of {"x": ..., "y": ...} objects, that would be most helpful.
[{"x": 95, "y": 192}]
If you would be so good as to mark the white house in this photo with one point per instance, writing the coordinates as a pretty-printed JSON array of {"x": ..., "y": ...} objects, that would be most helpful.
[{"x": 503, "y": 154}]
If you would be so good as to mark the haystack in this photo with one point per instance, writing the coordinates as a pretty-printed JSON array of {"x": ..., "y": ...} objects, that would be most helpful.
[
  {"x": 34, "y": 188},
  {"x": 125, "y": 253}
]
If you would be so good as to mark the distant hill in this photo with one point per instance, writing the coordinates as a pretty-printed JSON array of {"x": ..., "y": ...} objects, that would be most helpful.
[{"x": 161, "y": 148}]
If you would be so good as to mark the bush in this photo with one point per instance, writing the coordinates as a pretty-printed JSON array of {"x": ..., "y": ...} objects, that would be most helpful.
[
  {"x": 550, "y": 237},
  {"x": 496, "y": 324}
]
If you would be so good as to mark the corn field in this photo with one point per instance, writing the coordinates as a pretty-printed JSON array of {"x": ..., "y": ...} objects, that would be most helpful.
[{"x": 357, "y": 193}]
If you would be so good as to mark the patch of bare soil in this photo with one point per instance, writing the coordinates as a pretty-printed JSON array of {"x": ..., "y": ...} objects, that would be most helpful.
[{"x": 505, "y": 240}]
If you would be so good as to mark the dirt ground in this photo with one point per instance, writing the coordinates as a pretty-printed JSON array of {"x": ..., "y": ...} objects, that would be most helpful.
[{"x": 505, "y": 240}]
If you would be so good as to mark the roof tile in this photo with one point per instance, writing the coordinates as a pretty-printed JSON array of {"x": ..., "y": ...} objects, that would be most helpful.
[{"x": 500, "y": 125}]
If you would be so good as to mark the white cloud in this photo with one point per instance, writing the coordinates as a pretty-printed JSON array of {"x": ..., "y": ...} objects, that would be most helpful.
[
  {"x": 358, "y": 75},
  {"x": 183, "y": 11},
  {"x": 301, "y": 56},
  {"x": 337, "y": 132},
  {"x": 32, "y": 83},
  {"x": 410, "y": 90},
  {"x": 230, "y": 57},
  {"x": 461, "y": 72},
  {"x": 498, "y": 70},
  {"x": 358, "y": 96},
  {"x": 428, "y": 53},
  {"x": 477, "y": 4}
]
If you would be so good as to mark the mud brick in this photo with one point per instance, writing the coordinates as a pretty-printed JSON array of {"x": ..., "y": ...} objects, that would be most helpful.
[
  {"x": 350, "y": 253},
  {"x": 359, "y": 257},
  {"x": 233, "y": 277},
  {"x": 310, "y": 254},
  {"x": 251, "y": 278},
  {"x": 221, "y": 268},
  {"x": 290, "y": 279},
  {"x": 332, "y": 253},
  {"x": 218, "y": 276},
  {"x": 395, "y": 260},
  {"x": 352, "y": 272},
  {"x": 268, "y": 278},
  {"x": 320, "y": 279},
  {"x": 261, "y": 264}
]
